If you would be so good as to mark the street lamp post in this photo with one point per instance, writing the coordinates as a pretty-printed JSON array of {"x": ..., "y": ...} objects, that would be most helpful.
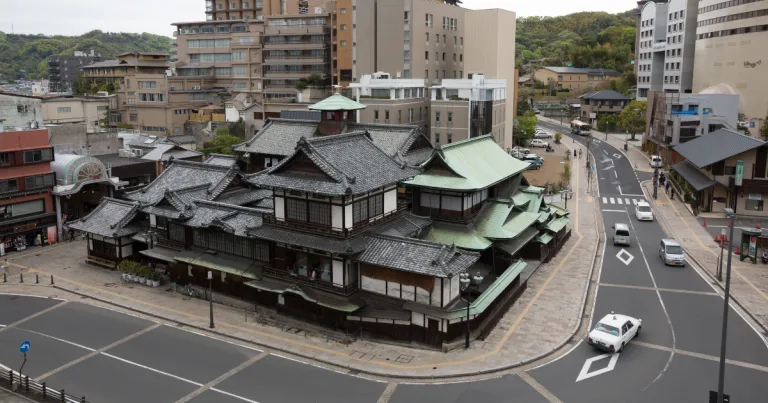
[
  {"x": 466, "y": 286},
  {"x": 655, "y": 183},
  {"x": 731, "y": 213},
  {"x": 210, "y": 294}
]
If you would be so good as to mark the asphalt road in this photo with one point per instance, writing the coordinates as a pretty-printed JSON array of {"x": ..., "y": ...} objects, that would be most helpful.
[
  {"x": 679, "y": 309},
  {"x": 112, "y": 357}
]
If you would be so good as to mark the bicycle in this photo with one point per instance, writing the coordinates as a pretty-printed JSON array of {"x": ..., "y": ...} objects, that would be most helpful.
[{"x": 191, "y": 291}]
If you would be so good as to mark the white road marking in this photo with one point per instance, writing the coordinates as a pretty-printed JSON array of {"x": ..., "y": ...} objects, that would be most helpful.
[
  {"x": 605, "y": 200},
  {"x": 616, "y": 174},
  {"x": 634, "y": 201},
  {"x": 612, "y": 200},
  {"x": 618, "y": 199},
  {"x": 626, "y": 260},
  {"x": 585, "y": 374},
  {"x": 615, "y": 211},
  {"x": 152, "y": 369},
  {"x": 627, "y": 201}
]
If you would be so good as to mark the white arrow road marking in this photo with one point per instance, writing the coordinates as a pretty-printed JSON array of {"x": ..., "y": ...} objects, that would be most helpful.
[
  {"x": 596, "y": 141},
  {"x": 585, "y": 374},
  {"x": 617, "y": 156},
  {"x": 626, "y": 260}
]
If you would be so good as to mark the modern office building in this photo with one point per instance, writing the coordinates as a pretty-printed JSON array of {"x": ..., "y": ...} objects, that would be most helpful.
[
  {"x": 466, "y": 108},
  {"x": 732, "y": 39},
  {"x": 63, "y": 70},
  {"x": 666, "y": 47},
  {"x": 392, "y": 100}
]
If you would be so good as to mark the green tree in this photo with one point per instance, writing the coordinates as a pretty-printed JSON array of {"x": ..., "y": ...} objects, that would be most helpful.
[
  {"x": 237, "y": 128},
  {"x": 764, "y": 129},
  {"x": 524, "y": 128},
  {"x": 523, "y": 107},
  {"x": 226, "y": 141},
  {"x": 81, "y": 86},
  {"x": 632, "y": 118}
]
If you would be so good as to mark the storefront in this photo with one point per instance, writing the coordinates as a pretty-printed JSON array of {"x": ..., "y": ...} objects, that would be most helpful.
[{"x": 27, "y": 232}]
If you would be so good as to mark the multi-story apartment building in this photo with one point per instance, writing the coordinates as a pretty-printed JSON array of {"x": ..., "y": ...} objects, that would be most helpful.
[
  {"x": 63, "y": 70},
  {"x": 576, "y": 78},
  {"x": 732, "y": 38},
  {"x": 675, "y": 118},
  {"x": 27, "y": 214},
  {"x": 392, "y": 100},
  {"x": 605, "y": 102},
  {"x": 666, "y": 47},
  {"x": 231, "y": 10},
  {"x": 466, "y": 108},
  {"x": 25, "y": 111},
  {"x": 150, "y": 96},
  {"x": 93, "y": 111}
]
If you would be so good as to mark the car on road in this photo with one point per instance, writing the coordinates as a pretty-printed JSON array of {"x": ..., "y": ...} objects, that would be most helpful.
[
  {"x": 643, "y": 211},
  {"x": 534, "y": 159},
  {"x": 538, "y": 143},
  {"x": 620, "y": 234},
  {"x": 613, "y": 332},
  {"x": 656, "y": 161},
  {"x": 671, "y": 252}
]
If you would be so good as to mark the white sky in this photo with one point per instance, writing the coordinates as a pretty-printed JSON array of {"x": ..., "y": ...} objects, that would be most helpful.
[{"x": 75, "y": 17}]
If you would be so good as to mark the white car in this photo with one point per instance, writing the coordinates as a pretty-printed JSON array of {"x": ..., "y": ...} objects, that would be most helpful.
[
  {"x": 538, "y": 143},
  {"x": 643, "y": 211},
  {"x": 613, "y": 332},
  {"x": 541, "y": 134},
  {"x": 521, "y": 150}
]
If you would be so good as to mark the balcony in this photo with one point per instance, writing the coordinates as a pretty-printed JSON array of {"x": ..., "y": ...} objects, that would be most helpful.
[
  {"x": 304, "y": 29},
  {"x": 285, "y": 59},
  {"x": 289, "y": 45},
  {"x": 291, "y": 73},
  {"x": 280, "y": 100},
  {"x": 323, "y": 285}
]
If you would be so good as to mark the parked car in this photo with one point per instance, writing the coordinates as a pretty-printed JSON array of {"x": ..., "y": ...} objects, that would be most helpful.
[
  {"x": 538, "y": 143},
  {"x": 613, "y": 332},
  {"x": 541, "y": 134},
  {"x": 656, "y": 161},
  {"x": 536, "y": 111},
  {"x": 534, "y": 159},
  {"x": 521, "y": 150}
]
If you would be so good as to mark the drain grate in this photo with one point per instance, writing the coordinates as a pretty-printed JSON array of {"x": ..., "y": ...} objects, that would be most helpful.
[
  {"x": 353, "y": 372},
  {"x": 585, "y": 316}
]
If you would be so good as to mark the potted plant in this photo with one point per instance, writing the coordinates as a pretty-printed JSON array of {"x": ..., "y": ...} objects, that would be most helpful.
[
  {"x": 558, "y": 137},
  {"x": 155, "y": 279},
  {"x": 142, "y": 275}
]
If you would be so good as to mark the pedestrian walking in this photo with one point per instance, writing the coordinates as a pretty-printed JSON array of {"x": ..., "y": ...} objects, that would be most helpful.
[
  {"x": 71, "y": 234},
  {"x": 6, "y": 267},
  {"x": 574, "y": 154},
  {"x": 662, "y": 179},
  {"x": 667, "y": 187},
  {"x": 579, "y": 153}
]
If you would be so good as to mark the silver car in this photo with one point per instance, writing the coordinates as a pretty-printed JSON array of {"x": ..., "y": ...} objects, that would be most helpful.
[{"x": 620, "y": 234}]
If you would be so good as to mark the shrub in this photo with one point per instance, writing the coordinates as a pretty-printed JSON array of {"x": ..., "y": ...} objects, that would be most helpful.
[{"x": 558, "y": 137}]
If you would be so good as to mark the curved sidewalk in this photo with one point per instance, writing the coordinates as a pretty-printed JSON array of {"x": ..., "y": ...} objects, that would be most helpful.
[{"x": 542, "y": 322}]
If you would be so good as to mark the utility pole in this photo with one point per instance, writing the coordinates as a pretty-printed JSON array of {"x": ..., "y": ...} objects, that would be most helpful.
[{"x": 726, "y": 299}]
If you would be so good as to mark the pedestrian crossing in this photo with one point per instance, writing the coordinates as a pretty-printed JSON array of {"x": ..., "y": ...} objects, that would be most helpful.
[{"x": 628, "y": 201}]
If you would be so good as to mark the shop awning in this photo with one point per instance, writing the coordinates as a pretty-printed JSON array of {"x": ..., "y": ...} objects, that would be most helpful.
[
  {"x": 238, "y": 266},
  {"x": 697, "y": 179},
  {"x": 337, "y": 303},
  {"x": 159, "y": 253}
]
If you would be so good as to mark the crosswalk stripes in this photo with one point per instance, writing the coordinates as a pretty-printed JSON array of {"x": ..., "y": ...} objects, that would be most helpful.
[{"x": 622, "y": 200}]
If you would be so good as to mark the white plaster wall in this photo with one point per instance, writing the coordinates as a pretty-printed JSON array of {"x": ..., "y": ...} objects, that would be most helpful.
[
  {"x": 455, "y": 287},
  {"x": 417, "y": 319},
  {"x": 422, "y": 296},
  {"x": 446, "y": 291},
  {"x": 152, "y": 220},
  {"x": 337, "y": 216},
  {"x": 393, "y": 289},
  {"x": 373, "y": 285},
  {"x": 338, "y": 273},
  {"x": 409, "y": 292},
  {"x": 436, "y": 292},
  {"x": 279, "y": 208},
  {"x": 127, "y": 250},
  {"x": 348, "y": 216},
  {"x": 390, "y": 201}
]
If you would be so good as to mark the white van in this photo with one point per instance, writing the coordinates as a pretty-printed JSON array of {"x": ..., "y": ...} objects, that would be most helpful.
[
  {"x": 620, "y": 234},
  {"x": 656, "y": 161},
  {"x": 671, "y": 252}
]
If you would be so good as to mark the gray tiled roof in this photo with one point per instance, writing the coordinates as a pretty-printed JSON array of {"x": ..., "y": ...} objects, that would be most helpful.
[
  {"x": 157, "y": 153},
  {"x": 230, "y": 218},
  {"x": 111, "y": 218},
  {"x": 163, "y": 211},
  {"x": 220, "y": 159},
  {"x": 181, "y": 154},
  {"x": 183, "y": 139},
  {"x": 605, "y": 95},
  {"x": 351, "y": 162},
  {"x": 717, "y": 146},
  {"x": 278, "y": 137},
  {"x": 313, "y": 116},
  {"x": 407, "y": 225},
  {"x": 697, "y": 179},
  {"x": 349, "y": 246},
  {"x": 183, "y": 175},
  {"x": 417, "y": 256},
  {"x": 241, "y": 197}
]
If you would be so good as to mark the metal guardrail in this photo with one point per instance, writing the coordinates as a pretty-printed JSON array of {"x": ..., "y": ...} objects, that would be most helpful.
[{"x": 22, "y": 384}]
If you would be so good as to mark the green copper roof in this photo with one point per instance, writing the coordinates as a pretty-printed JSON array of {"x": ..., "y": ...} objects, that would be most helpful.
[
  {"x": 513, "y": 246},
  {"x": 336, "y": 102},
  {"x": 557, "y": 224},
  {"x": 544, "y": 238},
  {"x": 498, "y": 221},
  {"x": 460, "y": 235},
  {"x": 474, "y": 164}
]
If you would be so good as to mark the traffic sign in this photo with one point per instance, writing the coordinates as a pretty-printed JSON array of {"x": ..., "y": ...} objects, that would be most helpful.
[
  {"x": 739, "y": 172},
  {"x": 25, "y": 345}
]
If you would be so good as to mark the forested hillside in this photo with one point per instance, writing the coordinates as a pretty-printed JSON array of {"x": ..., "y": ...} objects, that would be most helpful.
[
  {"x": 25, "y": 56},
  {"x": 587, "y": 39}
]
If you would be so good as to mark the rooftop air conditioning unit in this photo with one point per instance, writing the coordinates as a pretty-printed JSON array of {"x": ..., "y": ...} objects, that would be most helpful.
[
  {"x": 195, "y": 87},
  {"x": 137, "y": 152}
]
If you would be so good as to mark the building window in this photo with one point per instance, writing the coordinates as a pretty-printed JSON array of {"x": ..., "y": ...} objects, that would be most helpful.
[
  {"x": 461, "y": 39},
  {"x": 5, "y": 158},
  {"x": 343, "y": 11},
  {"x": 450, "y": 117},
  {"x": 343, "y": 27},
  {"x": 22, "y": 209},
  {"x": 376, "y": 114},
  {"x": 426, "y": 74},
  {"x": 133, "y": 117},
  {"x": 359, "y": 211},
  {"x": 9, "y": 185},
  {"x": 753, "y": 205},
  {"x": 40, "y": 181},
  {"x": 22, "y": 108},
  {"x": 443, "y": 56},
  {"x": 410, "y": 114},
  {"x": 386, "y": 115},
  {"x": 343, "y": 43},
  {"x": 450, "y": 138},
  {"x": 147, "y": 84},
  {"x": 426, "y": 35},
  {"x": 437, "y": 118},
  {"x": 376, "y": 205},
  {"x": 426, "y": 55},
  {"x": 320, "y": 213},
  {"x": 63, "y": 109},
  {"x": 37, "y": 155},
  {"x": 437, "y": 138},
  {"x": 296, "y": 209}
]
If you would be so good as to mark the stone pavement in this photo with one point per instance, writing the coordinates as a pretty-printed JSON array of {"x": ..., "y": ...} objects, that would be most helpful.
[
  {"x": 749, "y": 283},
  {"x": 540, "y": 324}
]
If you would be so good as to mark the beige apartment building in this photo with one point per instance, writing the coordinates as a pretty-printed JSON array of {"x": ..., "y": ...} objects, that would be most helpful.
[
  {"x": 90, "y": 110},
  {"x": 731, "y": 44},
  {"x": 392, "y": 101},
  {"x": 466, "y": 108},
  {"x": 576, "y": 78}
]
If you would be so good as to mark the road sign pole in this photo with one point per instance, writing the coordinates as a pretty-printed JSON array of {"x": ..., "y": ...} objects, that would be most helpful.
[
  {"x": 720, "y": 262},
  {"x": 22, "y": 366}
]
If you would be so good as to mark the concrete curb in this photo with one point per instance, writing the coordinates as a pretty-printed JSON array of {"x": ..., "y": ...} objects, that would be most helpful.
[
  {"x": 711, "y": 276},
  {"x": 15, "y": 394}
]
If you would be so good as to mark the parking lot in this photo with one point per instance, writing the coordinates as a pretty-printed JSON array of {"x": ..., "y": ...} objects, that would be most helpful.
[{"x": 552, "y": 168}]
